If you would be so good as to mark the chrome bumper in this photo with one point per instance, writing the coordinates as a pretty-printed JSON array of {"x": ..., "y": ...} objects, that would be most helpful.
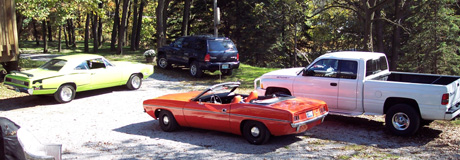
[{"x": 298, "y": 125}]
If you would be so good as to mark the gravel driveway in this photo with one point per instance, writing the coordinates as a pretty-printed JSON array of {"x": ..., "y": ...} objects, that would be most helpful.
[{"x": 110, "y": 124}]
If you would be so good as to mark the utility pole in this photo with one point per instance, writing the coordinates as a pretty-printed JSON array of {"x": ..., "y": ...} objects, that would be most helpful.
[{"x": 216, "y": 18}]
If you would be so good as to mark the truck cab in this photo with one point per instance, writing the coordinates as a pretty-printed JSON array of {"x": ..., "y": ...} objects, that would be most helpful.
[{"x": 355, "y": 83}]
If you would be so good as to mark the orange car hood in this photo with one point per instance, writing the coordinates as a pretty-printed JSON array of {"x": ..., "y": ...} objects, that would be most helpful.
[
  {"x": 298, "y": 104},
  {"x": 180, "y": 96}
]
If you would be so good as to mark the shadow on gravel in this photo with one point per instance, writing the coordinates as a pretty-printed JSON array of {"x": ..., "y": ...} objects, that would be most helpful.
[
  {"x": 369, "y": 132},
  {"x": 206, "y": 139},
  {"x": 35, "y": 101}
]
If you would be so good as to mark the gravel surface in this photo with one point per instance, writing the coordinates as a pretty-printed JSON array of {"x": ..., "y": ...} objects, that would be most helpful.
[{"x": 110, "y": 124}]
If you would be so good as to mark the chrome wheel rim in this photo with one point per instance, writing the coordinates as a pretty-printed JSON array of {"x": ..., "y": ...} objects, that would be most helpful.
[
  {"x": 163, "y": 63},
  {"x": 136, "y": 82},
  {"x": 193, "y": 70},
  {"x": 255, "y": 131},
  {"x": 401, "y": 121},
  {"x": 66, "y": 94},
  {"x": 165, "y": 120}
]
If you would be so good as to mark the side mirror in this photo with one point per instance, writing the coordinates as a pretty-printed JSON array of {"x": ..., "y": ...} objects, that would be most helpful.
[{"x": 308, "y": 72}]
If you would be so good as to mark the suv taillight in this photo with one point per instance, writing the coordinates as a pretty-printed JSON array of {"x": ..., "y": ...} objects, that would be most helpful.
[
  {"x": 237, "y": 56},
  {"x": 207, "y": 58},
  {"x": 445, "y": 99}
]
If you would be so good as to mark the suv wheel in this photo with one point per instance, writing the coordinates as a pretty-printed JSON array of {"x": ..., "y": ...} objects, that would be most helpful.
[
  {"x": 195, "y": 70},
  {"x": 163, "y": 62}
]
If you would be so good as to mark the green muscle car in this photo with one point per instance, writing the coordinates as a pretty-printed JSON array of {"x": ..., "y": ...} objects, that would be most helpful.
[{"x": 65, "y": 75}]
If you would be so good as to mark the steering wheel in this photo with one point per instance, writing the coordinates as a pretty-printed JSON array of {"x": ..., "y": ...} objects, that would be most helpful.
[{"x": 216, "y": 99}]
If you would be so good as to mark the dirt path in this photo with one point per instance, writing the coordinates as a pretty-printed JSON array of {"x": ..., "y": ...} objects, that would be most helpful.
[{"x": 110, "y": 124}]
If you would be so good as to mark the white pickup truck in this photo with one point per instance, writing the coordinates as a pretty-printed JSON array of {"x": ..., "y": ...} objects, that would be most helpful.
[{"x": 355, "y": 83}]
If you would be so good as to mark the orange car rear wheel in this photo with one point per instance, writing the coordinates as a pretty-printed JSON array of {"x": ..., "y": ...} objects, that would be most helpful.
[
  {"x": 167, "y": 121},
  {"x": 256, "y": 132}
]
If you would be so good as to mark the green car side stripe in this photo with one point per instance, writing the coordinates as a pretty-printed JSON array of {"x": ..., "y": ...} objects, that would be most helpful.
[{"x": 239, "y": 115}]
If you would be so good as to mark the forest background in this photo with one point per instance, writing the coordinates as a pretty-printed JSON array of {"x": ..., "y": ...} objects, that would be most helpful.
[{"x": 416, "y": 35}]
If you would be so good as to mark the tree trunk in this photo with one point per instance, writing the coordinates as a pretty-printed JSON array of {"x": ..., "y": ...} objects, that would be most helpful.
[
  {"x": 139, "y": 23},
  {"x": 116, "y": 25},
  {"x": 35, "y": 32},
  {"x": 50, "y": 34},
  {"x": 87, "y": 33},
  {"x": 72, "y": 33},
  {"x": 134, "y": 28},
  {"x": 161, "y": 37},
  {"x": 379, "y": 32},
  {"x": 65, "y": 37},
  {"x": 396, "y": 36},
  {"x": 122, "y": 26},
  {"x": 95, "y": 34},
  {"x": 186, "y": 18},
  {"x": 59, "y": 39},
  {"x": 99, "y": 28},
  {"x": 45, "y": 43}
]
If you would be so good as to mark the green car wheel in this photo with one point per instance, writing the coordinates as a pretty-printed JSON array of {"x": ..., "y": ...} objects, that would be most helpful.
[{"x": 65, "y": 93}]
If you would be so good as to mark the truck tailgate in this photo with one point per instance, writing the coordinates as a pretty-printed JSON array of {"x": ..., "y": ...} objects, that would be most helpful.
[{"x": 453, "y": 108}]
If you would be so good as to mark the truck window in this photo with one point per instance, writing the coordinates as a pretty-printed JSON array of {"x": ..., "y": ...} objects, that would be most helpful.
[
  {"x": 348, "y": 69},
  {"x": 323, "y": 68},
  {"x": 374, "y": 66}
]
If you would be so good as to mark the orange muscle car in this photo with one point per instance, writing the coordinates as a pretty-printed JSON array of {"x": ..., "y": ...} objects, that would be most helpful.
[{"x": 220, "y": 108}]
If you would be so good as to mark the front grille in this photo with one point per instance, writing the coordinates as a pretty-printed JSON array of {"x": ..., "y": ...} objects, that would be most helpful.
[{"x": 15, "y": 81}]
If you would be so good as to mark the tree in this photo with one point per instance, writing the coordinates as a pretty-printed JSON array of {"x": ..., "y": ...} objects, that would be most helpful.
[
  {"x": 121, "y": 33},
  {"x": 433, "y": 42},
  {"x": 116, "y": 25}
]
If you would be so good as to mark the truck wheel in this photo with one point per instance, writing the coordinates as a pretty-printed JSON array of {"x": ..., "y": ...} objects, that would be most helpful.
[
  {"x": 167, "y": 121},
  {"x": 256, "y": 132},
  {"x": 134, "y": 82},
  {"x": 402, "y": 120},
  {"x": 162, "y": 62},
  {"x": 195, "y": 70},
  {"x": 227, "y": 72},
  {"x": 65, "y": 93}
]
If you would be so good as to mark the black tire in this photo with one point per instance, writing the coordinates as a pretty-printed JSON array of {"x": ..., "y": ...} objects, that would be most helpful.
[
  {"x": 227, "y": 72},
  {"x": 134, "y": 82},
  {"x": 167, "y": 121},
  {"x": 163, "y": 63},
  {"x": 65, "y": 93},
  {"x": 256, "y": 132},
  {"x": 195, "y": 70},
  {"x": 402, "y": 120}
]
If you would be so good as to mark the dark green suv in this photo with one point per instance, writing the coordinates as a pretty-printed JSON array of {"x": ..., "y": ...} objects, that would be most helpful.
[{"x": 200, "y": 53}]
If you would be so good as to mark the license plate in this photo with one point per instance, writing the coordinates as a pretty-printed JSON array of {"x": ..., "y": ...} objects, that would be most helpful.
[
  {"x": 225, "y": 66},
  {"x": 309, "y": 114}
]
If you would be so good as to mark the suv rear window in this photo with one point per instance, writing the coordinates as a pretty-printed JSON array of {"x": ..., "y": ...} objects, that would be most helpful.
[{"x": 221, "y": 45}]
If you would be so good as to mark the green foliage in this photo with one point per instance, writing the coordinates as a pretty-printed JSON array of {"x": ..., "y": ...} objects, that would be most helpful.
[
  {"x": 433, "y": 44},
  {"x": 288, "y": 33}
]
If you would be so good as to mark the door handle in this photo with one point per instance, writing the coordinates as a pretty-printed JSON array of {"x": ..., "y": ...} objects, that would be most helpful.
[
  {"x": 333, "y": 84},
  {"x": 224, "y": 110}
]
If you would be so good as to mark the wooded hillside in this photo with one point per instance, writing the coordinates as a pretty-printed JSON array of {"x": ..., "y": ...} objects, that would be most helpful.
[{"x": 416, "y": 35}]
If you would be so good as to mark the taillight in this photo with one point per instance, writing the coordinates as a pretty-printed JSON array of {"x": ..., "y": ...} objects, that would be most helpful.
[
  {"x": 207, "y": 58},
  {"x": 237, "y": 56},
  {"x": 445, "y": 99}
]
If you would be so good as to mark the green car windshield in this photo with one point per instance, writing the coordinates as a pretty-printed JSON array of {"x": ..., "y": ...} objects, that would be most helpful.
[{"x": 54, "y": 65}]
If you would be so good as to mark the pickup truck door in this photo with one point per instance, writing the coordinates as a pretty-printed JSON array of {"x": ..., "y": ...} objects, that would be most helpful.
[
  {"x": 348, "y": 83},
  {"x": 320, "y": 81}
]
